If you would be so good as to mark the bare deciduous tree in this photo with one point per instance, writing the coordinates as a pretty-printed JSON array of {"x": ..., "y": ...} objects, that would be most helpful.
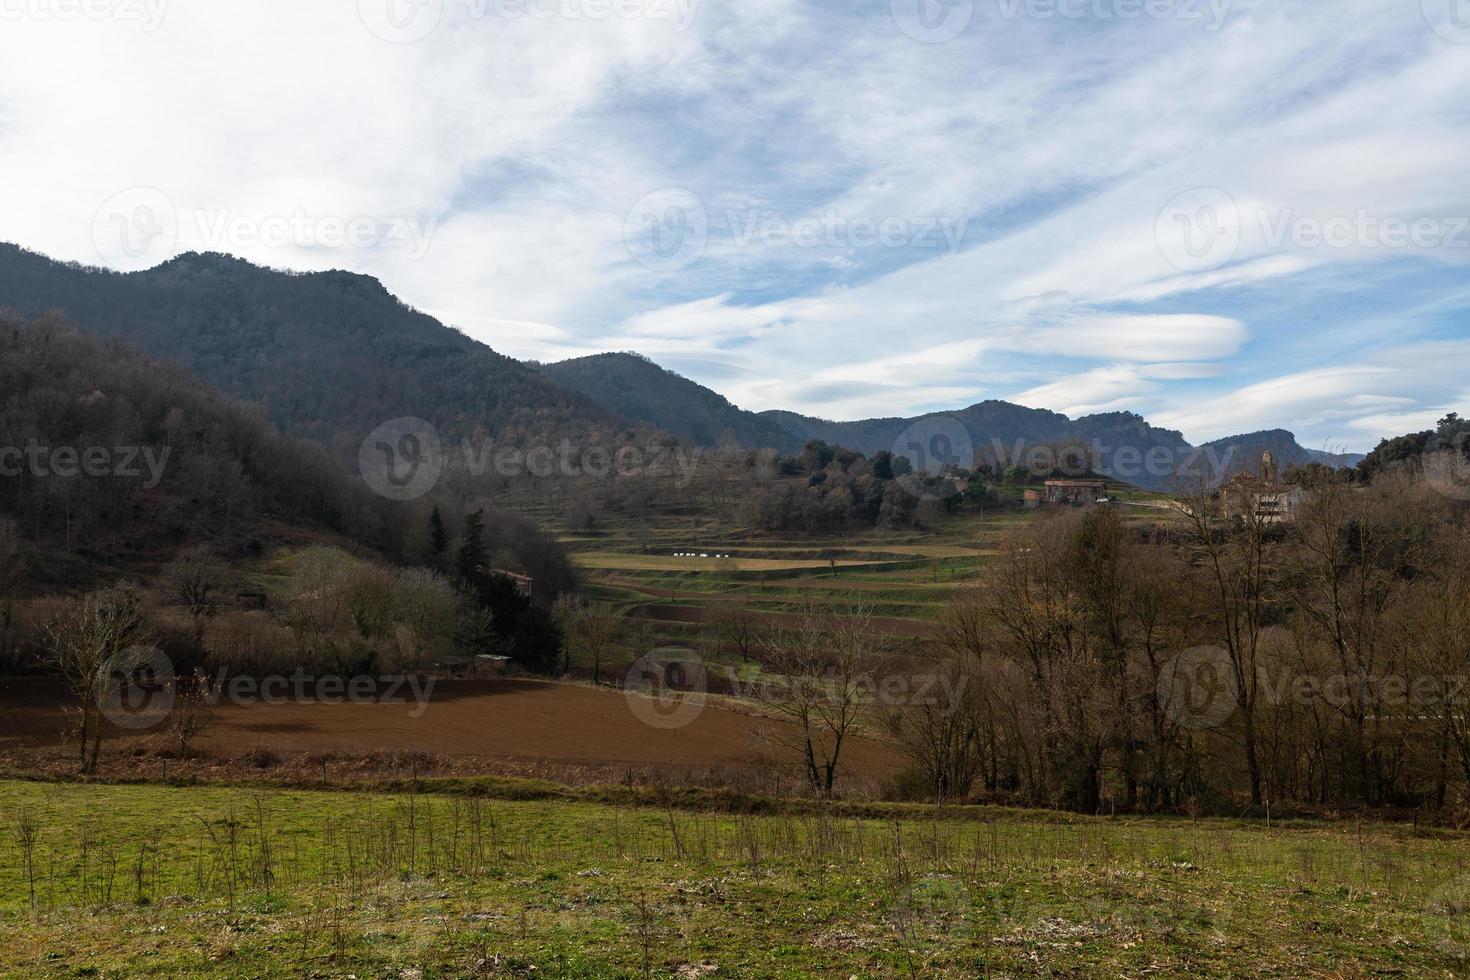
[
  {"x": 943, "y": 734},
  {"x": 1436, "y": 648},
  {"x": 964, "y": 635},
  {"x": 739, "y": 623},
  {"x": 195, "y": 579},
  {"x": 316, "y": 606},
  {"x": 426, "y": 604},
  {"x": 591, "y": 629},
  {"x": 1041, "y": 630},
  {"x": 88, "y": 646},
  {"x": 819, "y": 682},
  {"x": 1356, "y": 552},
  {"x": 27, "y": 833},
  {"x": 368, "y": 592},
  {"x": 1234, "y": 541}
]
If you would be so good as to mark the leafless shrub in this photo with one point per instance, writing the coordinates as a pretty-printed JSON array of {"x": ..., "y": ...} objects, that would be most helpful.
[
  {"x": 195, "y": 701},
  {"x": 26, "y": 833},
  {"x": 645, "y": 924}
]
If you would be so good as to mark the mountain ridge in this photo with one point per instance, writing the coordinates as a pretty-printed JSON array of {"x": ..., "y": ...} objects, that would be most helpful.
[
  {"x": 333, "y": 354},
  {"x": 1248, "y": 447},
  {"x": 637, "y": 387},
  {"x": 330, "y": 355},
  {"x": 1000, "y": 432}
]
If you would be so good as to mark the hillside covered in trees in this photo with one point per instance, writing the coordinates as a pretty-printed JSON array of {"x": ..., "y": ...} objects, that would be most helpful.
[
  {"x": 111, "y": 460},
  {"x": 112, "y": 455},
  {"x": 127, "y": 476},
  {"x": 330, "y": 355}
]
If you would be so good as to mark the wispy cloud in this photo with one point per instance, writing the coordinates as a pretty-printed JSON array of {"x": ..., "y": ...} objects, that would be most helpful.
[{"x": 867, "y": 224}]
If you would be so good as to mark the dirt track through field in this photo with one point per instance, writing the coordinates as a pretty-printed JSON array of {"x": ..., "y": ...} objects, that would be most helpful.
[{"x": 512, "y": 719}]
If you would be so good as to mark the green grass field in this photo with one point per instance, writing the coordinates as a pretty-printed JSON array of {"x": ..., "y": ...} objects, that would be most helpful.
[
  {"x": 905, "y": 577},
  {"x": 153, "y": 880},
  {"x": 903, "y": 574}
]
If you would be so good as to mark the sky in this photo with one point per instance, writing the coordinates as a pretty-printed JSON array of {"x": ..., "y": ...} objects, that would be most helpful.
[{"x": 1225, "y": 215}]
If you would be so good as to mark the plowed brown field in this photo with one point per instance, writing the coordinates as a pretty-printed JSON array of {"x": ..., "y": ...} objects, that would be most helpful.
[{"x": 511, "y": 719}]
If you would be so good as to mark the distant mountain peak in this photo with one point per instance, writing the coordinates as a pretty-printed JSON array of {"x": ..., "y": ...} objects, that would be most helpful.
[
  {"x": 635, "y": 386},
  {"x": 186, "y": 260}
]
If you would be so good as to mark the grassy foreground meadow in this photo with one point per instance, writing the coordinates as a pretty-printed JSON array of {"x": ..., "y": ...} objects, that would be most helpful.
[{"x": 97, "y": 880}]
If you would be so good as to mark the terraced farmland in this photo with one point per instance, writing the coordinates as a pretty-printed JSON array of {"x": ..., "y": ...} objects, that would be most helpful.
[{"x": 674, "y": 580}]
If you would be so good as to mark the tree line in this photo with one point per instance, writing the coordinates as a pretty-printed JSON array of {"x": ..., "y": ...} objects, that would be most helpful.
[{"x": 1215, "y": 656}]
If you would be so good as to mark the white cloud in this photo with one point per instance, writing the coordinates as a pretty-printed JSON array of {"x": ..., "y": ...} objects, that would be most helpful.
[
  {"x": 1098, "y": 390},
  {"x": 1054, "y": 145},
  {"x": 1347, "y": 404},
  {"x": 1157, "y": 337}
]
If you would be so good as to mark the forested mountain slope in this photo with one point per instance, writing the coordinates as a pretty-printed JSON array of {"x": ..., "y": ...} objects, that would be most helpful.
[
  {"x": 637, "y": 388},
  {"x": 330, "y": 355}
]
